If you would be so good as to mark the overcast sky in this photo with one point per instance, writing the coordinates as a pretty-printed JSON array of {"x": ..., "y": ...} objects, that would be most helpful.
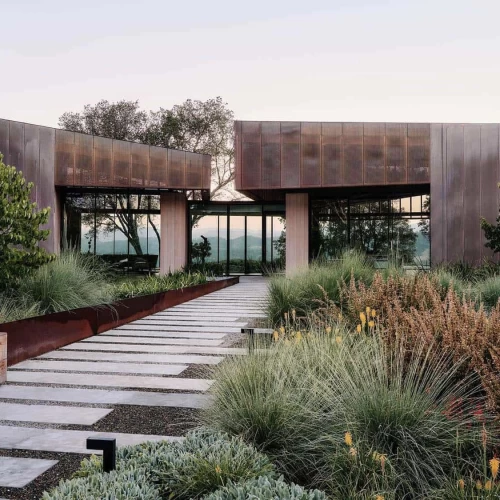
[{"x": 332, "y": 60}]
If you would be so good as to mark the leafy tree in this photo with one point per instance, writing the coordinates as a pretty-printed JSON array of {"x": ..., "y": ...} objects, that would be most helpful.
[
  {"x": 492, "y": 233},
  {"x": 20, "y": 222},
  {"x": 200, "y": 251}
]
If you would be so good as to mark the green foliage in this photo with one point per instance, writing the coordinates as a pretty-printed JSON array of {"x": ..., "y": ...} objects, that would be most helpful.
[
  {"x": 488, "y": 291},
  {"x": 297, "y": 400},
  {"x": 70, "y": 281},
  {"x": 201, "y": 250},
  {"x": 20, "y": 232},
  {"x": 491, "y": 233},
  {"x": 264, "y": 488},
  {"x": 16, "y": 308},
  {"x": 470, "y": 489},
  {"x": 306, "y": 290},
  {"x": 156, "y": 284},
  {"x": 198, "y": 465},
  {"x": 117, "y": 485}
]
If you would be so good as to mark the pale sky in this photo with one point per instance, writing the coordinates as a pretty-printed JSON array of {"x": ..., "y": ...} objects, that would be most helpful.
[{"x": 336, "y": 60}]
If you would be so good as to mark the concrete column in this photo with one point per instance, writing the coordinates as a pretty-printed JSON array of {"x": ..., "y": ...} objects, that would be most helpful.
[
  {"x": 3, "y": 358},
  {"x": 173, "y": 245},
  {"x": 297, "y": 231}
]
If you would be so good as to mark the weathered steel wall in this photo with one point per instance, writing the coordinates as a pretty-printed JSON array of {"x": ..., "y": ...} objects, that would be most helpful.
[
  {"x": 300, "y": 155},
  {"x": 30, "y": 148},
  {"x": 85, "y": 160},
  {"x": 465, "y": 171}
]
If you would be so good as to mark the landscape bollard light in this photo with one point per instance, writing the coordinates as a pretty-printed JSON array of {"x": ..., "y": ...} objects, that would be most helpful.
[
  {"x": 108, "y": 447},
  {"x": 251, "y": 338}
]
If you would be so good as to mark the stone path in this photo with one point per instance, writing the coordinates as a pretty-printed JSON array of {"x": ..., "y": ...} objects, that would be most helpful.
[{"x": 137, "y": 365}]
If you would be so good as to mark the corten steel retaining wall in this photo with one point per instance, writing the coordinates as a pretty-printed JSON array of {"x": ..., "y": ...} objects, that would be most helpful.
[{"x": 32, "y": 337}]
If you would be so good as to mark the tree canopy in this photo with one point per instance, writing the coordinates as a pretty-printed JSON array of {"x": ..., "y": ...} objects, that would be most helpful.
[{"x": 20, "y": 222}]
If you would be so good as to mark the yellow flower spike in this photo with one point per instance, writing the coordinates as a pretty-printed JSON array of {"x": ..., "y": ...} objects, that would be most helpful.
[
  {"x": 379, "y": 497},
  {"x": 368, "y": 309},
  {"x": 488, "y": 485},
  {"x": 479, "y": 485},
  {"x": 362, "y": 317},
  {"x": 352, "y": 452},
  {"x": 494, "y": 466},
  {"x": 218, "y": 469},
  {"x": 340, "y": 316},
  {"x": 348, "y": 439},
  {"x": 293, "y": 314},
  {"x": 358, "y": 328},
  {"x": 328, "y": 329},
  {"x": 461, "y": 484},
  {"x": 298, "y": 337},
  {"x": 275, "y": 336},
  {"x": 338, "y": 339},
  {"x": 371, "y": 324},
  {"x": 282, "y": 330},
  {"x": 374, "y": 313}
]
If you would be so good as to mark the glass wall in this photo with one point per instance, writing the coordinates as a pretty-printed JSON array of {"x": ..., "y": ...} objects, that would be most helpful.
[
  {"x": 387, "y": 229},
  {"x": 237, "y": 238},
  {"x": 123, "y": 228}
]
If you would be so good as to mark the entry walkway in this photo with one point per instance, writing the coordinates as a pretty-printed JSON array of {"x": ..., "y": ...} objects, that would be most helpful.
[{"x": 51, "y": 403}]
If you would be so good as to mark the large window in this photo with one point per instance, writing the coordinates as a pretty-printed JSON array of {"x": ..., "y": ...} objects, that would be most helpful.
[
  {"x": 237, "y": 238},
  {"x": 387, "y": 229},
  {"x": 121, "y": 227}
]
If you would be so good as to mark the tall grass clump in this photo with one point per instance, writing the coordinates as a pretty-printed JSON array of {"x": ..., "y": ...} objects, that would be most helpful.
[
  {"x": 304, "y": 291},
  {"x": 70, "y": 281},
  {"x": 487, "y": 291},
  {"x": 345, "y": 414},
  {"x": 16, "y": 308}
]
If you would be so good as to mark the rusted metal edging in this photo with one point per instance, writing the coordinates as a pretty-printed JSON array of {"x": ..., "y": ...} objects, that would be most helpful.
[{"x": 35, "y": 336}]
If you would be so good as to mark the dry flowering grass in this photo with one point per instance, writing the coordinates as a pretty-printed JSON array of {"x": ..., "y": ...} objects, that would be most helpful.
[{"x": 409, "y": 309}]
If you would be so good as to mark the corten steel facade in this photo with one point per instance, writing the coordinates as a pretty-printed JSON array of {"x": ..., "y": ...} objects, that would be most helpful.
[
  {"x": 458, "y": 164},
  {"x": 55, "y": 160}
]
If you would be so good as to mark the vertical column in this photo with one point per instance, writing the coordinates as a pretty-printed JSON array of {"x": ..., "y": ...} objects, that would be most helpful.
[
  {"x": 3, "y": 358},
  {"x": 297, "y": 231},
  {"x": 173, "y": 252}
]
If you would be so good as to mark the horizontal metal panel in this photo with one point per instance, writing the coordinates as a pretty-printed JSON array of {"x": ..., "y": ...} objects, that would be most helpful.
[
  {"x": 65, "y": 158},
  {"x": 139, "y": 169},
  {"x": 176, "y": 168},
  {"x": 103, "y": 161},
  {"x": 271, "y": 154},
  {"x": 374, "y": 153},
  {"x": 310, "y": 154},
  {"x": 396, "y": 152},
  {"x": 121, "y": 163},
  {"x": 158, "y": 167},
  {"x": 84, "y": 160},
  {"x": 418, "y": 152},
  {"x": 353, "y": 153},
  {"x": 332, "y": 158},
  {"x": 290, "y": 154}
]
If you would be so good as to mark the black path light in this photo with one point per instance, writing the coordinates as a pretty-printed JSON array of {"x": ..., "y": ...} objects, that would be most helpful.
[
  {"x": 251, "y": 338},
  {"x": 108, "y": 447}
]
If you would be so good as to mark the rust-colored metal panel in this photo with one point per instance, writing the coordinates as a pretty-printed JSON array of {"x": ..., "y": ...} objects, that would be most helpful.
[
  {"x": 472, "y": 193},
  {"x": 121, "y": 163},
  {"x": 65, "y": 158},
  {"x": 331, "y": 154},
  {"x": 396, "y": 153},
  {"x": 374, "y": 153},
  {"x": 32, "y": 157},
  {"x": 238, "y": 154},
  {"x": 158, "y": 167},
  {"x": 207, "y": 172},
  {"x": 353, "y": 153},
  {"x": 103, "y": 161},
  {"x": 194, "y": 171},
  {"x": 418, "y": 152},
  {"x": 454, "y": 192},
  {"x": 139, "y": 169},
  {"x": 310, "y": 154},
  {"x": 4, "y": 140},
  {"x": 489, "y": 178},
  {"x": 16, "y": 145},
  {"x": 176, "y": 169},
  {"x": 271, "y": 154},
  {"x": 84, "y": 160},
  {"x": 46, "y": 195},
  {"x": 290, "y": 155},
  {"x": 251, "y": 154},
  {"x": 438, "y": 200}
]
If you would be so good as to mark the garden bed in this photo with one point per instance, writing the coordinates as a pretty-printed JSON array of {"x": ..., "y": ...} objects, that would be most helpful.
[{"x": 32, "y": 337}]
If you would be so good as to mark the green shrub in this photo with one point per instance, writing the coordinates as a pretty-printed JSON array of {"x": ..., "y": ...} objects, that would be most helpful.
[
  {"x": 124, "y": 485},
  {"x": 297, "y": 400},
  {"x": 70, "y": 281},
  {"x": 469, "y": 489},
  {"x": 487, "y": 291},
  {"x": 155, "y": 284},
  {"x": 264, "y": 488},
  {"x": 199, "y": 464},
  {"x": 306, "y": 290},
  {"x": 447, "y": 280}
]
